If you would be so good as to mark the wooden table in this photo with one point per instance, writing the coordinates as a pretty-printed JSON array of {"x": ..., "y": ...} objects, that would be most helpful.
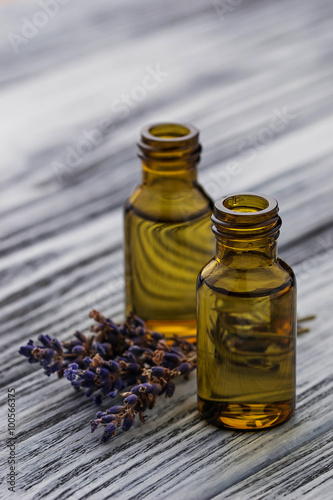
[{"x": 256, "y": 78}]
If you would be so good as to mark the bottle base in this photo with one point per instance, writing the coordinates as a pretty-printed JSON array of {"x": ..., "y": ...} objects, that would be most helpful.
[
  {"x": 245, "y": 416},
  {"x": 185, "y": 329}
]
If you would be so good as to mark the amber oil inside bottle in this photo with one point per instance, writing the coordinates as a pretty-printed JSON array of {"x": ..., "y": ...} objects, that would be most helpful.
[
  {"x": 246, "y": 319},
  {"x": 167, "y": 231}
]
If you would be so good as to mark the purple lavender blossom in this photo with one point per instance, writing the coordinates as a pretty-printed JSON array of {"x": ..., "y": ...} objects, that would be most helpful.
[{"x": 112, "y": 358}]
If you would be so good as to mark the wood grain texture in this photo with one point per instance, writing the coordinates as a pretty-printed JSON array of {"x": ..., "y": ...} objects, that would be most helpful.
[{"x": 61, "y": 230}]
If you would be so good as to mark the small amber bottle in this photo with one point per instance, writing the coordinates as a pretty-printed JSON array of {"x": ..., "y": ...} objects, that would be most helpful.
[
  {"x": 168, "y": 234},
  {"x": 246, "y": 319}
]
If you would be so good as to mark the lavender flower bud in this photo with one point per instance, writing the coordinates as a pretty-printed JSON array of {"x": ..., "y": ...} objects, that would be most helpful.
[
  {"x": 131, "y": 399},
  {"x": 157, "y": 336},
  {"x": 156, "y": 389},
  {"x": 134, "y": 367},
  {"x": 134, "y": 349},
  {"x": 128, "y": 421},
  {"x": 112, "y": 325},
  {"x": 80, "y": 336},
  {"x": 190, "y": 347},
  {"x": 94, "y": 424},
  {"x": 48, "y": 353},
  {"x": 170, "y": 388},
  {"x": 139, "y": 389},
  {"x": 100, "y": 414},
  {"x": 158, "y": 371},
  {"x": 106, "y": 419},
  {"x": 106, "y": 387},
  {"x": 115, "y": 409},
  {"x": 45, "y": 362},
  {"x": 55, "y": 367},
  {"x": 88, "y": 383},
  {"x": 148, "y": 387},
  {"x": 45, "y": 340},
  {"x": 138, "y": 321},
  {"x": 119, "y": 384},
  {"x": 108, "y": 431},
  {"x": 26, "y": 350},
  {"x": 112, "y": 366},
  {"x": 184, "y": 368},
  {"x": 123, "y": 330},
  {"x": 71, "y": 372},
  {"x": 170, "y": 359},
  {"x": 88, "y": 375},
  {"x": 130, "y": 358},
  {"x": 103, "y": 373},
  {"x": 98, "y": 347},
  {"x": 78, "y": 349},
  {"x": 57, "y": 346}
]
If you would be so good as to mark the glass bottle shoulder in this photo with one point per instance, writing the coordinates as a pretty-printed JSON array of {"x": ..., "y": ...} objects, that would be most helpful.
[
  {"x": 246, "y": 280},
  {"x": 182, "y": 202}
]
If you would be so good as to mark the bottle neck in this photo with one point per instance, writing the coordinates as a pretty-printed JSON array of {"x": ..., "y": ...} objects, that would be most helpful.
[
  {"x": 170, "y": 154},
  {"x": 255, "y": 253},
  {"x": 246, "y": 227},
  {"x": 155, "y": 175}
]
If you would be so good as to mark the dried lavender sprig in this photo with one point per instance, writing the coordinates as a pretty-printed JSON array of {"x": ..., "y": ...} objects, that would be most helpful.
[
  {"x": 50, "y": 355},
  {"x": 102, "y": 378},
  {"x": 106, "y": 378},
  {"x": 55, "y": 356},
  {"x": 108, "y": 361},
  {"x": 301, "y": 329},
  {"x": 140, "y": 398},
  {"x": 109, "y": 340}
]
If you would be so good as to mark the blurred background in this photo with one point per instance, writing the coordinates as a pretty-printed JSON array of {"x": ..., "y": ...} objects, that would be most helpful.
[{"x": 78, "y": 81}]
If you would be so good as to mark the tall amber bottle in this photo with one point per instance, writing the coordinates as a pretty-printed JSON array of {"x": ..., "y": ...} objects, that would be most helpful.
[
  {"x": 246, "y": 319},
  {"x": 167, "y": 231}
]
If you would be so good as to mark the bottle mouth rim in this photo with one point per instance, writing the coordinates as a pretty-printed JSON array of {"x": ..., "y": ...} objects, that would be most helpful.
[
  {"x": 246, "y": 214},
  {"x": 169, "y": 134},
  {"x": 246, "y": 206},
  {"x": 169, "y": 144}
]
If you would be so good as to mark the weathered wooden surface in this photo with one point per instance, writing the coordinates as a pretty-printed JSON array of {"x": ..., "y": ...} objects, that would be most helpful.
[{"x": 61, "y": 227}]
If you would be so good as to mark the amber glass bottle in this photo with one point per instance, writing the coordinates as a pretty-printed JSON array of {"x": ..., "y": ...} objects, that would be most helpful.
[
  {"x": 168, "y": 234},
  {"x": 246, "y": 319}
]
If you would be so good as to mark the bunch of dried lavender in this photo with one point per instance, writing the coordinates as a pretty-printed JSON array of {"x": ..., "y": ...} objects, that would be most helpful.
[{"x": 113, "y": 358}]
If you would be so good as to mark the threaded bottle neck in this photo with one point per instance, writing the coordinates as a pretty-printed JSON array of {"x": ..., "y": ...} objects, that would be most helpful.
[
  {"x": 168, "y": 148},
  {"x": 246, "y": 222}
]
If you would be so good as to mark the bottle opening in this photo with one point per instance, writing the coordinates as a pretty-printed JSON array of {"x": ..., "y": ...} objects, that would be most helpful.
[
  {"x": 246, "y": 214},
  {"x": 246, "y": 203},
  {"x": 171, "y": 145},
  {"x": 169, "y": 130}
]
